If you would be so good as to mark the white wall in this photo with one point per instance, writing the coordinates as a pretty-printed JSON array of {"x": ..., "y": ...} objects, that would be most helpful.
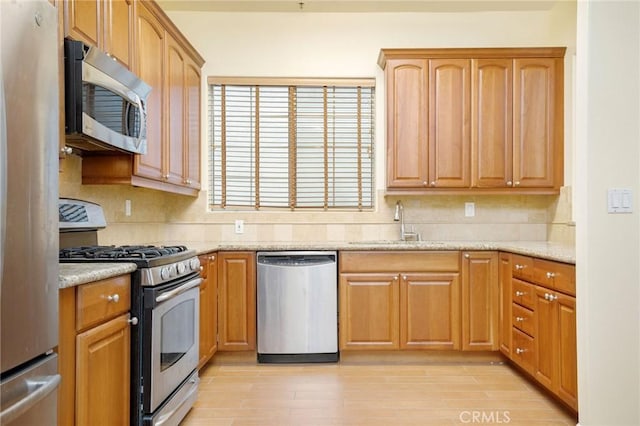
[{"x": 608, "y": 246}]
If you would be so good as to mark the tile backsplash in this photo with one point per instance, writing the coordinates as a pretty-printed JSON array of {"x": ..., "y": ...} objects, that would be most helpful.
[{"x": 158, "y": 216}]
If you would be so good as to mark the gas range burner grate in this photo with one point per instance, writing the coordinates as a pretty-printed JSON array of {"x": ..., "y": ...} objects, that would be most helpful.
[{"x": 119, "y": 253}]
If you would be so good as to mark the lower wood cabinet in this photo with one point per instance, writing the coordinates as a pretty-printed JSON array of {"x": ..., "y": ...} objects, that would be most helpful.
[
  {"x": 543, "y": 322},
  {"x": 94, "y": 349},
  {"x": 208, "y": 308},
  {"x": 480, "y": 301},
  {"x": 399, "y": 300},
  {"x": 504, "y": 311},
  {"x": 236, "y": 301}
]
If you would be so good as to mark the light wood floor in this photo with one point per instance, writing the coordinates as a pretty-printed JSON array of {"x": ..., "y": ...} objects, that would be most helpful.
[{"x": 374, "y": 394}]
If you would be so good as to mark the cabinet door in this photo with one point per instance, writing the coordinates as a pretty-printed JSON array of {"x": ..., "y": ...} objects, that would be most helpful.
[
  {"x": 449, "y": 127},
  {"x": 368, "y": 311},
  {"x": 118, "y": 30},
  {"x": 102, "y": 373},
  {"x": 149, "y": 45},
  {"x": 492, "y": 123},
  {"x": 237, "y": 301},
  {"x": 174, "y": 120},
  {"x": 480, "y": 301},
  {"x": 208, "y": 308},
  {"x": 192, "y": 158},
  {"x": 537, "y": 154},
  {"x": 567, "y": 387},
  {"x": 545, "y": 314},
  {"x": 429, "y": 311},
  {"x": 407, "y": 146},
  {"x": 83, "y": 21},
  {"x": 504, "y": 271}
]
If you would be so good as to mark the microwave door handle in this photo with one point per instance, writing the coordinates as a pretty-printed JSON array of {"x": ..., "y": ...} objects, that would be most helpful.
[
  {"x": 127, "y": 110},
  {"x": 176, "y": 291},
  {"x": 143, "y": 121}
]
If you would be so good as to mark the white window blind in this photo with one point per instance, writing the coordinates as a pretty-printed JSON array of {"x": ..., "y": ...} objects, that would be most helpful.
[{"x": 291, "y": 145}]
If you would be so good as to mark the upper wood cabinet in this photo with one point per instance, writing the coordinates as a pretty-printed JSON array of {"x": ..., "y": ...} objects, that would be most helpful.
[
  {"x": 165, "y": 60},
  {"x": 474, "y": 120},
  {"x": 107, "y": 24}
]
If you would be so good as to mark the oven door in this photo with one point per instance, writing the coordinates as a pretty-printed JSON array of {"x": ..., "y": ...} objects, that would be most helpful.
[{"x": 173, "y": 349}]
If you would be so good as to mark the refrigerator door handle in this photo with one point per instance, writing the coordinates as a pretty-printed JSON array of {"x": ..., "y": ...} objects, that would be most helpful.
[{"x": 38, "y": 389}]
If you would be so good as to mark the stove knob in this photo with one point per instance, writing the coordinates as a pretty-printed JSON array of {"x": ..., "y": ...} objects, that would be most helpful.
[
  {"x": 194, "y": 264},
  {"x": 172, "y": 271},
  {"x": 164, "y": 273},
  {"x": 181, "y": 268}
]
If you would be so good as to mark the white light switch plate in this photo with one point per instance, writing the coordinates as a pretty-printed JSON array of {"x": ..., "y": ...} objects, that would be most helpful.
[
  {"x": 619, "y": 200},
  {"x": 239, "y": 226}
]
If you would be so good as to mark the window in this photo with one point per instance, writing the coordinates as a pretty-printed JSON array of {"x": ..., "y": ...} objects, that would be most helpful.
[{"x": 291, "y": 144}]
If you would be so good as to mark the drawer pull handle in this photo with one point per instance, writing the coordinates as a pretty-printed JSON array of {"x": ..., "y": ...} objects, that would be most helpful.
[
  {"x": 551, "y": 275},
  {"x": 519, "y": 267},
  {"x": 113, "y": 298},
  {"x": 519, "y": 319},
  {"x": 520, "y": 351},
  {"x": 520, "y": 293},
  {"x": 133, "y": 321},
  {"x": 550, "y": 297}
]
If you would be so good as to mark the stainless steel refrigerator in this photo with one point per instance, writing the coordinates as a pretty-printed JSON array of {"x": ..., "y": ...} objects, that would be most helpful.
[{"x": 28, "y": 212}]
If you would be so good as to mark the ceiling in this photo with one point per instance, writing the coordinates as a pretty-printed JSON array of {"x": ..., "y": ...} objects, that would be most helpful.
[{"x": 349, "y": 6}]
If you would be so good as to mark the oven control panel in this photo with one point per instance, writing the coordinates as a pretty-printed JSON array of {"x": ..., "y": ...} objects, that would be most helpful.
[{"x": 161, "y": 274}]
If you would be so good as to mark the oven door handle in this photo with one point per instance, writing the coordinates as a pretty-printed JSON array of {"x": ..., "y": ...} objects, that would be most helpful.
[{"x": 176, "y": 291}]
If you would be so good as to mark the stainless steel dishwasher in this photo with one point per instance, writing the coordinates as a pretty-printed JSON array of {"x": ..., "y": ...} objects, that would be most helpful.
[{"x": 297, "y": 306}]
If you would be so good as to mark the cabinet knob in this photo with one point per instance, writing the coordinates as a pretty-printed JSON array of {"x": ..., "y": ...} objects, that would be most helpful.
[
  {"x": 516, "y": 183},
  {"x": 509, "y": 183},
  {"x": 404, "y": 277},
  {"x": 201, "y": 268},
  {"x": 520, "y": 351},
  {"x": 433, "y": 183},
  {"x": 425, "y": 183},
  {"x": 519, "y": 267},
  {"x": 66, "y": 150},
  {"x": 519, "y": 319},
  {"x": 187, "y": 181},
  {"x": 466, "y": 256},
  {"x": 520, "y": 293},
  {"x": 113, "y": 298},
  {"x": 551, "y": 275},
  {"x": 133, "y": 321},
  {"x": 166, "y": 177},
  {"x": 395, "y": 278},
  {"x": 212, "y": 257}
]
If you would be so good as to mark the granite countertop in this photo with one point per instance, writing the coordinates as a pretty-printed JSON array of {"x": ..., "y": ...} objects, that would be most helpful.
[
  {"x": 73, "y": 274},
  {"x": 542, "y": 249}
]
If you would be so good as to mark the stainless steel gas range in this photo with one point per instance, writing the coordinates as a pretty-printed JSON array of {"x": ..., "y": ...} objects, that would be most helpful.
[{"x": 165, "y": 300}]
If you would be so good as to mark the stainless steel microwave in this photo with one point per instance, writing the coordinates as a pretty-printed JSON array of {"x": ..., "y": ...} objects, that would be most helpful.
[{"x": 105, "y": 103}]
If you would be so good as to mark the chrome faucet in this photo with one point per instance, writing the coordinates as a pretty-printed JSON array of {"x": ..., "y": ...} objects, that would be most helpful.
[{"x": 411, "y": 234}]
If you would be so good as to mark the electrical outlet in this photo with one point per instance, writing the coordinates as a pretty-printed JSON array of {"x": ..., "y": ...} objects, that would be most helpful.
[
  {"x": 127, "y": 207},
  {"x": 239, "y": 226},
  {"x": 469, "y": 209}
]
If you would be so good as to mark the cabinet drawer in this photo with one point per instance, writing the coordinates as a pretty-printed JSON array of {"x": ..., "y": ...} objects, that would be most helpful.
[
  {"x": 522, "y": 267},
  {"x": 523, "y": 350},
  {"x": 559, "y": 276},
  {"x": 522, "y": 318},
  {"x": 400, "y": 261},
  {"x": 102, "y": 300},
  {"x": 523, "y": 293}
]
